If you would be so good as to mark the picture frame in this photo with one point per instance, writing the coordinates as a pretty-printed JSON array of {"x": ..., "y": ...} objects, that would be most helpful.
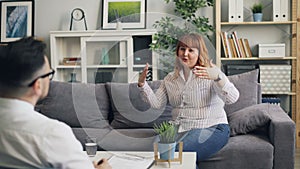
[
  {"x": 131, "y": 14},
  {"x": 17, "y": 20}
]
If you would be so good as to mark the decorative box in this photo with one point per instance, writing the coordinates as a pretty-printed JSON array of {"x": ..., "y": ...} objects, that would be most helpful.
[
  {"x": 271, "y": 50},
  {"x": 275, "y": 79}
]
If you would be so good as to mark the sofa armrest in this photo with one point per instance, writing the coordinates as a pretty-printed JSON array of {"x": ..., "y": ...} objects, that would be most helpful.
[{"x": 282, "y": 136}]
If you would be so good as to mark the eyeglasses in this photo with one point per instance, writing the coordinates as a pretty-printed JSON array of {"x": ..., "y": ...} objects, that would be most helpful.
[{"x": 50, "y": 75}]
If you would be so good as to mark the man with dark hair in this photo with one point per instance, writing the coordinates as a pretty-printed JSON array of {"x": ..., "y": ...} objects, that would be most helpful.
[{"x": 27, "y": 138}]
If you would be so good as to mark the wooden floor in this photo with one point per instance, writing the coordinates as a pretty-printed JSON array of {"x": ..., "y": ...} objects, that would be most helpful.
[{"x": 297, "y": 159}]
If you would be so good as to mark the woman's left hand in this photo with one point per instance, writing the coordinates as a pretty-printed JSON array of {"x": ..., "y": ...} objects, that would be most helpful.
[{"x": 212, "y": 72}]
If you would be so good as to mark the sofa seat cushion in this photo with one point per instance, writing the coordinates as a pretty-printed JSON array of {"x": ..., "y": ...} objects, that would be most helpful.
[
  {"x": 128, "y": 140},
  {"x": 76, "y": 104},
  {"x": 242, "y": 151},
  {"x": 129, "y": 109}
]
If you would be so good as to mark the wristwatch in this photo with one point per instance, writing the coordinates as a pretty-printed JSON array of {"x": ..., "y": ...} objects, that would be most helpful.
[{"x": 219, "y": 78}]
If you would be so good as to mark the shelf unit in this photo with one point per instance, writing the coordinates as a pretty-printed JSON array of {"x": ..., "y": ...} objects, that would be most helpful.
[
  {"x": 292, "y": 49},
  {"x": 105, "y": 55}
]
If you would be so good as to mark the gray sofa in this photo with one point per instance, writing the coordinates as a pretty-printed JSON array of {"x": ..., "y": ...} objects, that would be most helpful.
[{"x": 262, "y": 135}]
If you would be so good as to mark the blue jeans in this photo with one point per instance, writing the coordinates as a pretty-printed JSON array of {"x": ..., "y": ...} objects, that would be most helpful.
[{"x": 207, "y": 141}]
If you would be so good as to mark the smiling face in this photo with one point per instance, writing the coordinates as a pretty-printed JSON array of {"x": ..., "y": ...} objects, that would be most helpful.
[{"x": 192, "y": 51}]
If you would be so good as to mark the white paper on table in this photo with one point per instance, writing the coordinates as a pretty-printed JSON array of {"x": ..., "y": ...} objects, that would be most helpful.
[{"x": 126, "y": 162}]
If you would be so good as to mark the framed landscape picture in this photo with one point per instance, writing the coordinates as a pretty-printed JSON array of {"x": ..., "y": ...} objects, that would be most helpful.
[
  {"x": 131, "y": 14},
  {"x": 17, "y": 18}
]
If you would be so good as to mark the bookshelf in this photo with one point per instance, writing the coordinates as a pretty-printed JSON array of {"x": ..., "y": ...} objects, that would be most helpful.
[
  {"x": 259, "y": 23},
  {"x": 288, "y": 34},
  {"x": 99, "y": 56}
]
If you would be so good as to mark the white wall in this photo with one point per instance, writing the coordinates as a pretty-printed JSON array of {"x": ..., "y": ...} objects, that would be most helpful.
[{"x": 55, "y": 15}]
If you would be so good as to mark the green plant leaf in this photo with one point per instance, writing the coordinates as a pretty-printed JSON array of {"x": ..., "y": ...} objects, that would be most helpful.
[
  {"x": 167, "y": 132},
  {"x": 257, "y": 8}
]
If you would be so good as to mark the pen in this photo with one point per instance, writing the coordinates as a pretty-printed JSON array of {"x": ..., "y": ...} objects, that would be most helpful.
[
  {"x": 101, "y": 161},
  {"x": 151, "y": 164}
]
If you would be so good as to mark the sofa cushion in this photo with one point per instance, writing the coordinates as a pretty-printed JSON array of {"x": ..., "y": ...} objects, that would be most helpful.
[
  {"x": 76, "y": 104},
  {"x": 248, "y": 86},
  {"x": 249, "y": 119},
  {"x": 128, "y": 140},
  {"x": 129, "y": 109},
  {"x": 243, "y": 152}
]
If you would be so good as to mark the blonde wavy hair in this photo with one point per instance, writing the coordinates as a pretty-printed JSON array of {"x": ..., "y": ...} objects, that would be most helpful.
[{"x": 194, "y": 40}]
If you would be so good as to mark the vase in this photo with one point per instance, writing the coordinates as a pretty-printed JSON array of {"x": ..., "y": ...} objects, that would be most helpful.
[
  {"x": 73, "y": 78},
  {"x": 166, "y": 150},
  {"x": 104, "y": 57},
  {"x": 119, "y": 25},
  {"x": 257, "y": 17}
]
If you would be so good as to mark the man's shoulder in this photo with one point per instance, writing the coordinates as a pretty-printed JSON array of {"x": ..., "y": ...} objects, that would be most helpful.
[
  {"x": 50, "y": 126},
  {"x": 56, "y": 124}
]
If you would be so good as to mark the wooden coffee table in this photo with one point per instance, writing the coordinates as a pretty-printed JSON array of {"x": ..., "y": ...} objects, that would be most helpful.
[{"x": 188, "y": 159}]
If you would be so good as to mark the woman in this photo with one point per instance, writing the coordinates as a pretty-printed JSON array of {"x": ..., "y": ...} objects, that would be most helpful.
[{"x": 197, "y": 90}]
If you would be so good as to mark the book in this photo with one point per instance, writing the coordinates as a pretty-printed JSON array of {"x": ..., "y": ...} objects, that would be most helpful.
[
  {"x": 242, "y": 48},
  {"x": 228, "y": 47},
  {"x": 238, "y": 47},
  {"x": 271, "y": 100},
  {"x": 245, "y": 48},
  {"x": 232, "y": 47},
  {"x": 225, "y": 45},
  {"x": 71, "y": 60},
  {"x": 248, "y": 47}
]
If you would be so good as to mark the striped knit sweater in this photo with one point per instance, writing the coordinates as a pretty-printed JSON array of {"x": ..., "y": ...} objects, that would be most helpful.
[{"x": 197, "y": 103}]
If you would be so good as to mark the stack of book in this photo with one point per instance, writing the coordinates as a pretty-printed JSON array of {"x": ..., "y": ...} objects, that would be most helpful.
[
  {"x": 72, "y": 61},
  {"x": 271, "y": 100},
  {"x": 235, "y": 47}
]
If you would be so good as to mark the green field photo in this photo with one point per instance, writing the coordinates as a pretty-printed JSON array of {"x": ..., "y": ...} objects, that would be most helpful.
[{"x": 128, "y": 12}]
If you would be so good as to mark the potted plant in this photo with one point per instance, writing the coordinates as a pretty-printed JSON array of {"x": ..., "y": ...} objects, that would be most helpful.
[
  {"x": 167, "y": 133},
  {"x": 257, "y": 12}
]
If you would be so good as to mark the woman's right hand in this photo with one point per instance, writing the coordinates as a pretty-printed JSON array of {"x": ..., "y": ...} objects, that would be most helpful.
[{"x": 143, "y": 76}]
